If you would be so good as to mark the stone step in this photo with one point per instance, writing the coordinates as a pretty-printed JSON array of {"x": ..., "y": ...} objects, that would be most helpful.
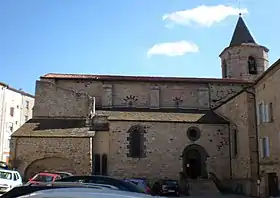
[{"x": 203, "y": 187}]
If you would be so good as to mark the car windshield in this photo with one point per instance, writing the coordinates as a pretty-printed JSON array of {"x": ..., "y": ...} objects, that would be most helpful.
[
  {"x": 63, "y": 175},
  {"x": 43, "y": 178},
  {"x": 171, "y": 182},
  {"x": 134, "y": 182},
  {"x": 5, "y": 175}
]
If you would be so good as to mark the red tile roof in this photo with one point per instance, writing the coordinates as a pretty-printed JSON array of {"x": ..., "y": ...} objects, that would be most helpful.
[{"x": 139, "y": 78}]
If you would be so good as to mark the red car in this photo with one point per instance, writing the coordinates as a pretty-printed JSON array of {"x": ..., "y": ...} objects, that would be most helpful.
[{"x": 44, "y": 178}]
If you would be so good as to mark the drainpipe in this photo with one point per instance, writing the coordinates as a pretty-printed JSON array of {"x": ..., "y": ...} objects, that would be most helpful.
[{"x": 257, "y": 131}]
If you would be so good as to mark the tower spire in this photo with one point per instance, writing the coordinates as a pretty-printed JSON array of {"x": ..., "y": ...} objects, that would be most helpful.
[{"x": 241, "y": 33}]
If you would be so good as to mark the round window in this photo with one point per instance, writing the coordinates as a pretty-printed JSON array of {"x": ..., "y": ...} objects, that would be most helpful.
[{"x": 193, "y": 133}]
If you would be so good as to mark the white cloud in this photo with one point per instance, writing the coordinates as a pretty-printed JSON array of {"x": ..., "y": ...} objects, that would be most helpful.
[
  {"x": 203, "y": 15},
  {"x": 178, "y": 48}
]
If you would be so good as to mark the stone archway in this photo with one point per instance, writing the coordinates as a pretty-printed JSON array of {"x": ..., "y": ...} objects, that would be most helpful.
[
  {"x": 194, "y": 161},
  {"x": 48, "y": 164}
]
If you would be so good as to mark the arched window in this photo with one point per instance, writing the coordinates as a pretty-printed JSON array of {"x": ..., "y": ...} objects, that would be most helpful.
[
  {"x": 252, "y": 65},
  {"x": 224, "y": 69},
  {"x": 136, "y": 147}
]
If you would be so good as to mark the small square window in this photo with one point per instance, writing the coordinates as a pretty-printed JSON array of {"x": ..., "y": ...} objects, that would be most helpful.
[
  {"x": 12, "y": 111},
  {"x": 27, "y": 104}
]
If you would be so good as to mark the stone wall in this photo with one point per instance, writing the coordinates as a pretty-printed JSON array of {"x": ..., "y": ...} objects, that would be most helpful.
[
  {"x": 56, "y": 98},
  {"x": 141, "y": 94},
  {"x": 32, "y": 155},
  {"x": 240, "y": 111},
  {"x": 236, "y": 60},
  {"x": 165, "y": 142},
  {"x": 54, "y": 101},
  {"x": 219, "y": 93}
]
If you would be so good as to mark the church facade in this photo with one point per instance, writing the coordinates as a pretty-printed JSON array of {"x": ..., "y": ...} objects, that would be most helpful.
[{"x": 157, "y": 127}]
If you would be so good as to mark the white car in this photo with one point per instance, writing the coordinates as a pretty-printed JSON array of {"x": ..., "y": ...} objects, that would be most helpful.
[
  {"x": 9, "y": 179},
  {"x": 85, "y": 193}
]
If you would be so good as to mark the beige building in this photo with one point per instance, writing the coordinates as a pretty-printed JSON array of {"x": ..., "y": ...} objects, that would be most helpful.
[{"x": 159, "y": 126}]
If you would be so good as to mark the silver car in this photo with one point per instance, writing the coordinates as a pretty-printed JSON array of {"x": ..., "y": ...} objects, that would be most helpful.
[{"x": 85, "y": 193}]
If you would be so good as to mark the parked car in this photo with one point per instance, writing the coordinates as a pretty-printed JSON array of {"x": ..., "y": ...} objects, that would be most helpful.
[
  {"x": 120, "y": 184},
  {"x": 4, "y": 165},
  {"x": 63, "y": 174},
  {"x": 25, "y": 190},
  {"x": 141, "y": 183},
  {"x": 9, "y": 179},
  {"x": 43, "y": 178},
  {"x": 169, "y": 186},
  {"x": 85, "y": 193}
]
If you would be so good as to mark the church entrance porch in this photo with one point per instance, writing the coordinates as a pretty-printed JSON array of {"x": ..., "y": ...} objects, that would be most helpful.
[{"x": 194, "y": 162}]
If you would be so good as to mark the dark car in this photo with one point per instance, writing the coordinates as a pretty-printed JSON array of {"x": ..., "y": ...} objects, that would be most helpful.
[
  {"x": 120, "y": 184},
  {"x": 141, "y": 183},
  {"x": 169, "y": 186}
]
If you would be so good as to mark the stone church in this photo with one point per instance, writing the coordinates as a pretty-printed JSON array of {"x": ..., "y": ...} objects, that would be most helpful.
[{"x": 151, "y": 127}]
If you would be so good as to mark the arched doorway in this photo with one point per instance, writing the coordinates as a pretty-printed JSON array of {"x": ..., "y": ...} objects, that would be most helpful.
[
  {"x": 194, "y": 161},
  {"x": 48, "y": 164}
]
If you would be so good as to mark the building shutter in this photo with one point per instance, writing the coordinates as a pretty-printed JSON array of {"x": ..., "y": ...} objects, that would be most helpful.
[
  {"x": 258, "y": 114},
  {"x": 266, "y": 146}
]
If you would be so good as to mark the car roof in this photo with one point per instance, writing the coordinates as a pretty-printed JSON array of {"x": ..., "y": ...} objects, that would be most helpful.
[
  {"x": 90, "y": 176},
  {"x": 135, "y": 180},
  {"x": 47, "y": 174},
  {"x": 57, "y": 183},
  {"x": 62, "y": 172},
  {"x": 8, "y": 171},
  {"x": 86, "y": 193}
]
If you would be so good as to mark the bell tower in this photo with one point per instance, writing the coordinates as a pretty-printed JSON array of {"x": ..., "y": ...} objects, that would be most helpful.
[{"x": 243, "y": 59}]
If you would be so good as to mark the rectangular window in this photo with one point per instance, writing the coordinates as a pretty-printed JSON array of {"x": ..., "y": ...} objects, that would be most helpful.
[
  {"x": 263, "y": 116},
  {"x": 11, "y": 127},
  {"x": 12, "y": 111},
  {"x": 97, "y": 166},
  {"x": 225, "y": 71},
  {"x": 27, "y": 104},
  {"x": 235, "y": 144},
  {"x": 265, "y": 147},
  {"x": 266, "y": 117},
  {"x": 261, "y": 113},
  {"x": 104, "y": 164}
]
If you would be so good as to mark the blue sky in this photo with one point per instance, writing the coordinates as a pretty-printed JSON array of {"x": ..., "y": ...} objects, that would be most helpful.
[{"x": 124, "y": 37}]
